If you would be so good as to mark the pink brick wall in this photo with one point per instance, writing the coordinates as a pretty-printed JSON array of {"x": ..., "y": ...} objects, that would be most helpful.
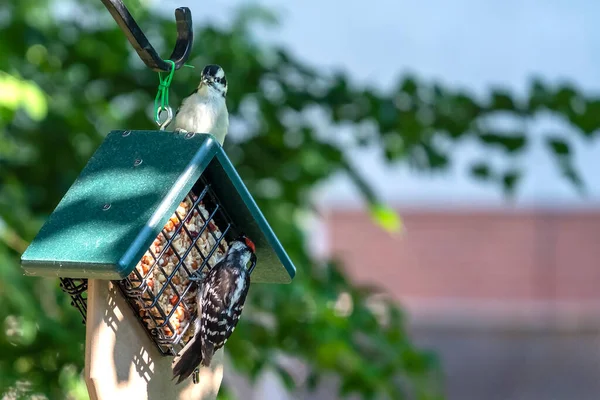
[{"x": 513, "y": 255}]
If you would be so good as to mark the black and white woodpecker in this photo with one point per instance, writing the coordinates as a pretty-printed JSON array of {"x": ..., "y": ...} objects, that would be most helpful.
[
  {"x": 220, "y": 301},
  {"x": 205, "y": 110}
]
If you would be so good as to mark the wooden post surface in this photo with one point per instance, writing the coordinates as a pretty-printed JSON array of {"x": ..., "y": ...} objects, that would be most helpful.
[{"x": 122, "y": 362}]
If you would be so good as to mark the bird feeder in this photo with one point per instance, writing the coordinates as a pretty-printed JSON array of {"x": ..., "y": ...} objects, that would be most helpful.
[{"x": 150, "y": 210}]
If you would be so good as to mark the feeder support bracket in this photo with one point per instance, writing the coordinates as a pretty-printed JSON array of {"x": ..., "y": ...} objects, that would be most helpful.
[{"x": 142, "y": 46}]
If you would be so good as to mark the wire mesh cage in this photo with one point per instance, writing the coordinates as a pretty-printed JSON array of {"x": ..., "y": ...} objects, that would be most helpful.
[
  {"x": 159, "y": 289},
  {"x": 77, "y": 289},
  {"x": 152, "y": 221}
]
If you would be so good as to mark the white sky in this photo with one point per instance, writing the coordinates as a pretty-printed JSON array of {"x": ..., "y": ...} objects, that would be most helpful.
[{"x": 472, "y": 44}]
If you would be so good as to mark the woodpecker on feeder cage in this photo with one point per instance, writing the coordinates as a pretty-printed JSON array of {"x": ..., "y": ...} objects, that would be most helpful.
[{"x": 221, "y": 297}]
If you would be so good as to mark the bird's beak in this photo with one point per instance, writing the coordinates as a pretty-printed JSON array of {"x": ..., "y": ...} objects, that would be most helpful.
[{"x": 252, "y": 263}]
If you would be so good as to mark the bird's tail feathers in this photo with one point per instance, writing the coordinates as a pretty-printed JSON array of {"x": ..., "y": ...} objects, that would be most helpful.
[
  {"x": 208, "y": 350},
  {"x": 188, "y": 359}
]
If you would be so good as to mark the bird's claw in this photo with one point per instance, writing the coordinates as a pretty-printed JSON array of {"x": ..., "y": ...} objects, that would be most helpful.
[
  {"x": 196, "y": 276},
  {"x": 182, "y": 131}
]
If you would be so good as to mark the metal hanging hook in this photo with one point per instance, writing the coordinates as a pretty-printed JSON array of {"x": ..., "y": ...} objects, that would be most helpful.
[
  {"x": 162, "y": 125},
  {"x": 139, "y": 41}
]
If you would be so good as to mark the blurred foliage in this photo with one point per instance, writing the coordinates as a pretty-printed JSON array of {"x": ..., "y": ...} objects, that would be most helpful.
[{"x": 68, "y": 78}]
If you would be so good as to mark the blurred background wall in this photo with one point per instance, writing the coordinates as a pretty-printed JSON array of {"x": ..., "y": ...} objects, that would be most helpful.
[
  {"x": 509, "y": 298},
  {"x": 507, "y": 291}
]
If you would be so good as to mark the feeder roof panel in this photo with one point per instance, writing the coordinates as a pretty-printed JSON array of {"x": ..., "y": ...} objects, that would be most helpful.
[{"x": 125, "y": 195}]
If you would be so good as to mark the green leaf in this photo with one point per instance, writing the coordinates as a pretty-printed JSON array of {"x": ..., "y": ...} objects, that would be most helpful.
[
  {"x": 509, "y": 182},
  {"x": 572, "y": 175},
  {"x": 511, "y": 143},
  {"x": 249, "y": 14},
  {"x": 386, "y": 218},
  {"x": 409, "y": 86},
  {"x": 539, "y": 96},
  {"x": 589, "y": 122},
  {"x": 285, "y": 376},
  {"x": 481, "y": 171},
  {"x": 16, "y": 93},
  {"x": 501, "y": 100},
  {"x": 435, "y": 158},
  {"x": 563, "y": 99},
  {"x": 559, "y": 146},
  {"x": 312, "y": 380}
]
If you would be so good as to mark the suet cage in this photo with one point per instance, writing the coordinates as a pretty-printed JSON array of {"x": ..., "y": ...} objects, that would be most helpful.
[
  {"x": 77, "y": 289},
  {"x": 150, "y": 210}
]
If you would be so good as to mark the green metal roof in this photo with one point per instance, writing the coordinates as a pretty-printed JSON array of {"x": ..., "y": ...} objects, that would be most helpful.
[{"x": 125, "y": 195}]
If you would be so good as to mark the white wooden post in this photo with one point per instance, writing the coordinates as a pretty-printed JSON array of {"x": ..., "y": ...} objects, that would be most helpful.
[{"x": 122, "y": 362}]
